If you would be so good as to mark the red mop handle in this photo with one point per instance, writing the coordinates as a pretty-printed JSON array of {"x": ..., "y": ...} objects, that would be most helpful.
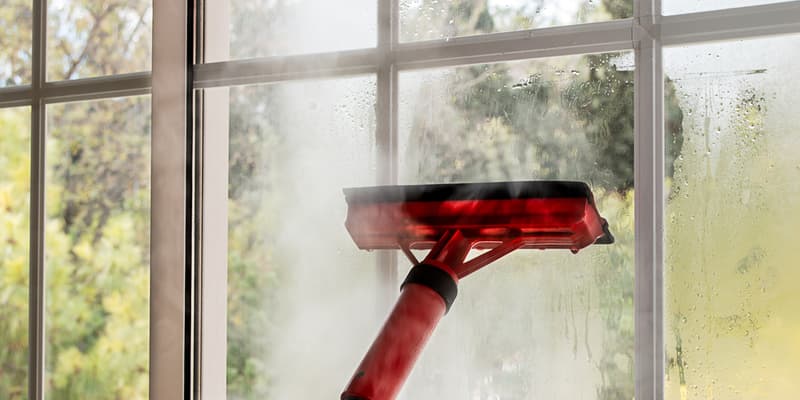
[{"x": 426, "y": 296}]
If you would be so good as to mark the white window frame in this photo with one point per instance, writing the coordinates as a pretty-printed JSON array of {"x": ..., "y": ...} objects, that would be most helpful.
[{"x": 189, "y": 178}]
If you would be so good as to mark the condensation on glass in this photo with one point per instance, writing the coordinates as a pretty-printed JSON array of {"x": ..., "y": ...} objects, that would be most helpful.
[
  {"x": 262, "y": 28},
  {"x": 671, "y": 7},
  {"x": 301, "y": 296},
  {"x": 732, "y": 322},
  {"x": 15, "y": 164},
  {"x": 97, "y": 249},
  {"x": 15, "y": 51},
  {"x": 90, "y": 38},
  {"x": 533, "y": 324},
  {"x": 444, "y": 19}
]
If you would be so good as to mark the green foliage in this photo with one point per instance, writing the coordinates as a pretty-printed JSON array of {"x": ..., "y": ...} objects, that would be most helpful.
[
  {"x": 95, "y": 38},
  {"x": 14, "y": 186},
  {"x": 15, "y": 42}
]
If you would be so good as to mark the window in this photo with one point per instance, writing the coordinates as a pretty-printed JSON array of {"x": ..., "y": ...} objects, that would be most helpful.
[
  {"x": 731, "y": 209},
  {"x": 531, "y": 318},
  {"x": 174, "y": 233},
  {"x": 74, "y": 199}
]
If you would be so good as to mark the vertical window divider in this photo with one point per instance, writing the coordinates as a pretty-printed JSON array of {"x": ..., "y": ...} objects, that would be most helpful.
[
  {"x": 386, "y": 136},
  {"x": 36, "y": 288},
  {"x": 212, "y": 129},
  {"x": 649, "y": 206},
  {"x": 170, "y": 241}
]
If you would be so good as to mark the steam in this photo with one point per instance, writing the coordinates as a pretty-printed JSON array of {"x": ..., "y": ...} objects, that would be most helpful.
[{"x": 325, "y": 314}]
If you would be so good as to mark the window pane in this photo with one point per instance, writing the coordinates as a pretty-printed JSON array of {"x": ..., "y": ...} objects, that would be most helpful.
[
  {"x": 437, "y": 19},
  {"x": 88, "y": 38},
  {"x": 671, "y": 7},
  {"x": 261, "y": 28},
  {"x": 732, "y": 321},
  {"x": 294, "y": 275},
  {"x": 14, "y": 237},
  {"x": 15, "y": 42},
  {"x": 533, "y": 324},
  {"x": 97, "y": 249}
]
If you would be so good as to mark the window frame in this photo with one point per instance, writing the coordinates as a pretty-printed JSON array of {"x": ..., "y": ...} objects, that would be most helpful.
[{"x": 189, "y": 179}]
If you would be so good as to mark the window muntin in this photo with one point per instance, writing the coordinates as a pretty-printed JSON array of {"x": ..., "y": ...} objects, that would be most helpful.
[
  {"x": 262, "y": 28},
  {"x": 97, "y": 249},
  {"x": 731, "y": 316},
  {"x": 444, "y": 19},
  {"x": 672, "y": 7},
  {"x": 89, "y": 38},
  {"x": 293, "y": 271},
  {"x": 14, "y": 238},
  {"x": 533, "y": 324},
  {"x": 15, "y": 42}
]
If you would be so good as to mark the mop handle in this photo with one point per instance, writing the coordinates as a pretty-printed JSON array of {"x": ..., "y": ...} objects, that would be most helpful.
[{"x": 426, "y": 296}]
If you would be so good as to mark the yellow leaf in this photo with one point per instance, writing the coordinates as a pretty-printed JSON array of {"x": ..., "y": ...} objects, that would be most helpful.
[{"x": 83, "y": 250}]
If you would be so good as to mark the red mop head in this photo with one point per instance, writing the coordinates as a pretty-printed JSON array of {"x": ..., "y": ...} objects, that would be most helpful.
[{"x": 542, "y": 214}]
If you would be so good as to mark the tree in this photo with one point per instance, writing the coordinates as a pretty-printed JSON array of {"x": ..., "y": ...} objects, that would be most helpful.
[{"x": 97, "y": 223}]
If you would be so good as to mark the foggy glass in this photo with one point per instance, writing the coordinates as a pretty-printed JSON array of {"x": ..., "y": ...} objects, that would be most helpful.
[
  {"x": 90, "y": 38},
  {"x": 535, "y": 324},
  {"x": 14, "y": 237},
  {"x": 262, "y": 28},
  {"x": 97, "y": 249},
  {"x": 671, "y": 7},
  {"x": 443, "y": 19},
  {"x": 732, "y": 325},
  {"x": 301, "y": 295},
  {"x": 15, "y": 53}
]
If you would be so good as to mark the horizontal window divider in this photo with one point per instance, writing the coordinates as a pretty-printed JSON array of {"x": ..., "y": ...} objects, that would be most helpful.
[
  {"x": 533, "y": 43},
  {"x": 736, "y": 23},
  {"x": 14, "y": 96},
  {"x": 97, "y": 88},
  {"x": 405, "y": 65},
  {"x": 296, "y": 67},
  {"x": 77, "y": 90}
]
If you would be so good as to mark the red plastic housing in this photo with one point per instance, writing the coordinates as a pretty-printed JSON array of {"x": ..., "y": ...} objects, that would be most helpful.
[{"x": 541, "y": 214}]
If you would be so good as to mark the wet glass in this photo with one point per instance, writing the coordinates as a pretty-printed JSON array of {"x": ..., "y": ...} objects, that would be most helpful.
[
  {"x": 444, "y": 19},
  {"x": 262, "y": 28},
  {"x": 732, "y": 325},
  {"x": 91, "y": 38},
  {"x": 534, "y": 324},
  {"x": 97, "y": 249},
  {"x": 301, "y": 295},
  {"x": 671, "y": 7},
  {"x": 16, "y": 23},
  {"x": 14, "y": 238}
]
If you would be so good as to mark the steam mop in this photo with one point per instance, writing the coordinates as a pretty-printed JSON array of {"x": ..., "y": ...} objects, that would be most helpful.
[{"x": 451, "y": 220}]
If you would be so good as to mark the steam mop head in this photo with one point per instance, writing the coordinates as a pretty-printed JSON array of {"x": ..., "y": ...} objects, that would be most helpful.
[{"x": 542, "y": 214}]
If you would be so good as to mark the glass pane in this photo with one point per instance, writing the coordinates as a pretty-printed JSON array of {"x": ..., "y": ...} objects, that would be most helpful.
[
  {"x": 671, "y": 7},
  {"x": 97, "y": 249},
  {"x": 88, "y": 38},
  {"x": 443, "y": 19},
  {"x": 261, "y": 28},
  {"x": 15, "y": 42},
  {"x": 732, "y": 321},
  {"x": 294, "y": 275},
  {"x": 533, "y": 324},
  {"x": 15, "y": 165}
]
